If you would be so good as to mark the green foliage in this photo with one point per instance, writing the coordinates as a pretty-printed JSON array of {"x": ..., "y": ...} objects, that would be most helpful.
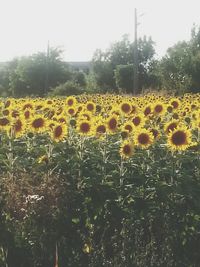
[
  {"x": 99, "y": 209},
  {"x": 34, "y": 75},
  {"x": 180, "y": 67},
  {"x": 103, "y": 71},
  {"x": 106, "y": 70},
  {"x": 173, "y": 68},
  {"x": 66, "y": 89},
  {"x": 79, "y": 78},
  {"x": 124, "y": 77}
]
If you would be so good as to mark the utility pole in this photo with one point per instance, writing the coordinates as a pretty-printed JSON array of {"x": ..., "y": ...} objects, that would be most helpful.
[
  {"x": 46, "y": 86},
  {"x": 135, "y": 62}
]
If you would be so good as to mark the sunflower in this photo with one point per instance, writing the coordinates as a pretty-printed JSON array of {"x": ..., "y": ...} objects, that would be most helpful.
[
  {"x": 6, "y": 112},
  {"x": 138, "y": 120},
  {"x": 27, "y": 105},
  {"x": 143, "y": 138},
  {"x": 15, "y": 113},
  {"x": 134, "y": 109},
  {"x": 170, "y": 126},
  {"x": 90, "y": 106},
  {"x": 125, "y": 107},
  {"x": 59, "y": 111},
  {"x": 38, "y": 124},
  {"x": 98, "y": 108},
  {"x": 155, "y": 133},
  {"x": 27, "y": 114},
  {"x": 84, "y": 116},
  {"x": 100, "y": 128},
  {"x": 59, "y": 132},
  {"x": 71, "y": 101},
  {"x": 84, "y": 127},
  {"x": 61, "y": 119},
  {"x": 128, "y": 126},
  {"x": 112, "y": 123},
  {"x": 80, "y": 107},
  {"x": 175, "y": 102},
  {"x": 4, "y": 123},
  {"x": 126, "y": 149},
  {"x": 71, "y": 111},
  {"x": 147, "y": 110},
  {"x": 159, "y": 108},
  {"x": 18, "y": 127},
  {"x": 169, "y": 108},
  {"x": 8, "y": 103},
  {"x": 179, "y": 139}
]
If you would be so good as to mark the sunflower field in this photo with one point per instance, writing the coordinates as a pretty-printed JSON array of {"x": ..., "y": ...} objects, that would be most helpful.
[{"x": 100, "y": 180}]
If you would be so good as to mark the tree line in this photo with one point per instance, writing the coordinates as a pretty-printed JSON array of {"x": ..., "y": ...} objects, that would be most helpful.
[{"x": 111, "y": 70}]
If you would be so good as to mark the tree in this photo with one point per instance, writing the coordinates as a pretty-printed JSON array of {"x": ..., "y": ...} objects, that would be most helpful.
[
  {"x": 36, "y": 74},
  {"x": 124, "y": 77},
  {"x": 4, "y": 80},
  {"x": 173, "y": 66},
  {"x": 194, "y": 68},
  {"x": 105, "y": 64},
  {"x": 103, "y": 71},
  {"x": 79, "y": 78},
  {"x": 180, "y": 67}
]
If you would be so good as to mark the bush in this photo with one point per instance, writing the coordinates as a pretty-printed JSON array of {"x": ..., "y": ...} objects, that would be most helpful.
[{"x": 66, "y": 89}]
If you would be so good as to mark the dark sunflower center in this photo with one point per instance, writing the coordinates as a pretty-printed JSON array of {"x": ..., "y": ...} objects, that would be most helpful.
[
  {"x": 171, "y": 127},
  {"x": 143, "y": 139},
  {"x": 5, "y": 112},
  {"x": 175, "y": 104},
  {"x": 127, "y": 149},
  {"x": 128, "y": 127},
  {"x": 27, "y": 114},
  {"x": 112, "y": 123},
  {"x": 126, "y": 108},
  {"x": 71, "y": 111},
  {"x": 27, "y": 106},
  {"x": 51, "y": 125},
  {"x": 18, "y": 126},
  {"x": 90, "y": 107},
  {"x": 38, "y": 123},
  {"x": 15, "y": 113},
  {"x": 158, "y": 108},
  {"x": 101, "y": 129},
  {"x": 58, "y": 131},
  {"x": 179, "y": 138},
  {"x": 38, "y": 107},
  {"x": 4, "y": 121},
  {"x": 154, "y": 132},
  {"x": 84, "y": 127},
  {"x": 62, "y": 120},
  {"x": 136, "y": 121},
  {"x": 147, "y": 111},
  {"x": 70, "y": 102}
]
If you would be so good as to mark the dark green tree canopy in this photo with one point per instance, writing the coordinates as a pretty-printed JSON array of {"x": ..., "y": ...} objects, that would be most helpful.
[
  {"x": 180, "y": 68},
  {"x": 108, "y": 66},
  {"x": 36, "y": 74}
]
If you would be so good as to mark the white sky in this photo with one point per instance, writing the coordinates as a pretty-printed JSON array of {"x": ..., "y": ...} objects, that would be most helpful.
[{"x": 82, "y": 26}]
